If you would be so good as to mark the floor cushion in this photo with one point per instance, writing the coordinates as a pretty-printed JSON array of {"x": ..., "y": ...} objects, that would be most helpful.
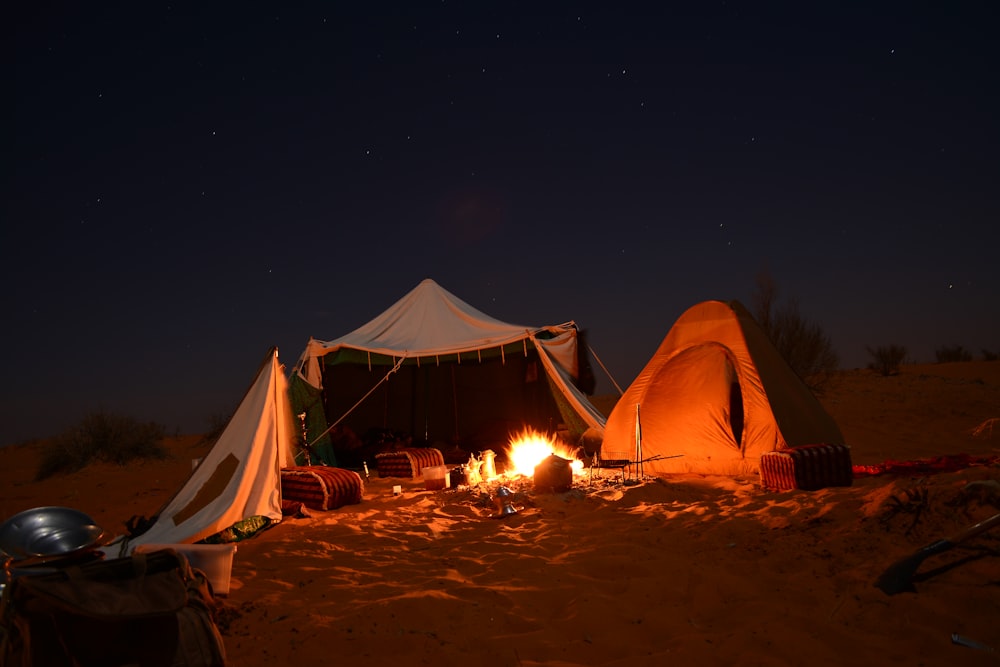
[
  {"x": 408, "y": 462},
  {"x": 321, "y": 487}
]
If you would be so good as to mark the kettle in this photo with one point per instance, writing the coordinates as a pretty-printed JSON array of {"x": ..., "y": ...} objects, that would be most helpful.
[
  {"x": 489, "y": 470},
  {"x": 504, "y": 502},
  {"x": 472, "y": 471}
]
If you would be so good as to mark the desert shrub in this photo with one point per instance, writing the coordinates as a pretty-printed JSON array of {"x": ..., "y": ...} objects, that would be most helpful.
[
  {"x": 101, "y": 437},
  {"x": 950, "y": 353},
  {"x": 216, "y": 425},
  {"x": 886, "y": 359},
  {"x": 989, "y": 355},
  {"x": 803, "y": 344}
]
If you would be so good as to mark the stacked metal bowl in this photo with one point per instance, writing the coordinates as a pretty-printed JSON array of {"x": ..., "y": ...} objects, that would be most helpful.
[{"x": 47, "y": 533}]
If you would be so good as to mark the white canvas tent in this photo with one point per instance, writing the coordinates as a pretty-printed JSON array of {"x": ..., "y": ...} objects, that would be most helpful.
[
  {"x": 443, "y": 370},
  {"x": 240, "y": 477}
]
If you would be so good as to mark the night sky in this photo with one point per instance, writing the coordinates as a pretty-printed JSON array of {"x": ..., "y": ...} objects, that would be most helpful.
[{"x": 187, "y": 185}]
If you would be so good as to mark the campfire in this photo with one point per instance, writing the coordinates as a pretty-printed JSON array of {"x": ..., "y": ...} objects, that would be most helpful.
[{"x": 530, "y": 447}]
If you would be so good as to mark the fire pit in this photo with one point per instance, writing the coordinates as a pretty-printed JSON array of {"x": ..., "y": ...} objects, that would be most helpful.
[{"x": 549, "y": 463}]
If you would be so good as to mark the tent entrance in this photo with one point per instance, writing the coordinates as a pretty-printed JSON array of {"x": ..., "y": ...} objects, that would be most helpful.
[
  {"x": 473, "y": 404},
  {"x": 736, "y": 408},
  {"x": 697, "y": 397}
]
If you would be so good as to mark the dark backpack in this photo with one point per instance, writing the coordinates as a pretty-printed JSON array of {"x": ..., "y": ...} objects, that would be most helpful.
[{"x": 148, "y": 609}]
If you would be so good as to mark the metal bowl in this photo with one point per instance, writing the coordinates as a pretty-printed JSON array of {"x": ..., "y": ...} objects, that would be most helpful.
[{"x": 48, "y": 531}]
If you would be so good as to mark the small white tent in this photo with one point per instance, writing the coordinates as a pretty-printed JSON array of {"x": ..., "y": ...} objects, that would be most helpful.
[{"x": 240, "y": 477}]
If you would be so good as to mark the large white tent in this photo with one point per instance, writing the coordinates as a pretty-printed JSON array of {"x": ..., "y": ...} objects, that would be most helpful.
[{"x": 438, "y": 368}]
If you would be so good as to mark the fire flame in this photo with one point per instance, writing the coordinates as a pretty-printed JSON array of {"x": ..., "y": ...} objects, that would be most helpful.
[{"x": 530, "y": 447}]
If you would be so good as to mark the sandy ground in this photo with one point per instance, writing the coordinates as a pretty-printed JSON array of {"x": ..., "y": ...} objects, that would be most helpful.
[{"x": 686, "y": 570}]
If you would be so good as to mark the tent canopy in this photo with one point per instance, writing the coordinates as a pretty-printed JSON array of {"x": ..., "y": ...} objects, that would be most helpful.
[
  {"x": 716, "y": 395},
  {"x": 434, "y": 366},
  {"x": 430, "y": 321}
]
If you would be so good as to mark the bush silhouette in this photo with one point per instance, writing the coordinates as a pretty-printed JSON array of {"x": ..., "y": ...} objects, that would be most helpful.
[
  {"x": 886, "y": 359},
  {"x": 216, "y": 425},
  {"x": 801, "y": 343},
  {"x": 101, "y": 437},
  {"x": 950, "y": 353}
]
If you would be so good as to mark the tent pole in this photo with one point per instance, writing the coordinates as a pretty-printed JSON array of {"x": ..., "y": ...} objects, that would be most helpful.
[
  {"x": 638, "y": 443},
  {"x": 279, "y": 448}
]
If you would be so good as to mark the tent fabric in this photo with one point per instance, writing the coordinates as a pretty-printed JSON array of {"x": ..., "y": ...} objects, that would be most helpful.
[
  {"x": 309, "y": 406},
  {"x": 452, "y": 355},
  {"x": 429, "y": 321},
  {"x": 715, "y": 396},
  {"x": 240, "y": 477},
  {"x": 576, "y": 409}
]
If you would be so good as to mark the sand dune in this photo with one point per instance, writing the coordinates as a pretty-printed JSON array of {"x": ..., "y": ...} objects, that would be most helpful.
[{"x": 688, "y": 570}]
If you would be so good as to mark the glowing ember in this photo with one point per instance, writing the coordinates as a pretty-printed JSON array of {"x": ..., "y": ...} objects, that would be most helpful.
[{"x": 530, "y": 448}]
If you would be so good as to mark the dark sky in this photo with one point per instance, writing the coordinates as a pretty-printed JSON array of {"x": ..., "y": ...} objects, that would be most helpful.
[{"x": 189, "y": 184}]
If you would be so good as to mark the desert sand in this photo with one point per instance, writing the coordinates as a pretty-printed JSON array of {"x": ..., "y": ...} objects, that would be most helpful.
[{"x": 688, "y": 570}]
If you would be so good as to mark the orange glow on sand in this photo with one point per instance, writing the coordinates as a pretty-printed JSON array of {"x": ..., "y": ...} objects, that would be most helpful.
[{"x": 530, "y": 447}]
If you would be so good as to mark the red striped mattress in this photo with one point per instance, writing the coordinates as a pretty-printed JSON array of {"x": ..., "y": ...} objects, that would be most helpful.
[
  {"x": 408, "y": 462},
  {"x": 321, "y": 487}
]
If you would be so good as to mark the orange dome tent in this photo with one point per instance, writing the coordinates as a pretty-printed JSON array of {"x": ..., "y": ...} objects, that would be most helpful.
[{"x": 714, "y": 397}]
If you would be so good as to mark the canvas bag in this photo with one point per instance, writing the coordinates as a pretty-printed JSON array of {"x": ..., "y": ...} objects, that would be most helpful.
[{"x": 149, "y": 610}]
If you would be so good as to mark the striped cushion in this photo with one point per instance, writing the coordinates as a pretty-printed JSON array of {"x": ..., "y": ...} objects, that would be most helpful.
[
  {"x": 807, "y": 467},
  {"x": 320, "y": 487},
  {"x": 408, "y": 462}
]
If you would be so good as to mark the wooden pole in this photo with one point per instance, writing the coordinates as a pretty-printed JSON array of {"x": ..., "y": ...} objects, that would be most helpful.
[{"x": 638, "y": 443}]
